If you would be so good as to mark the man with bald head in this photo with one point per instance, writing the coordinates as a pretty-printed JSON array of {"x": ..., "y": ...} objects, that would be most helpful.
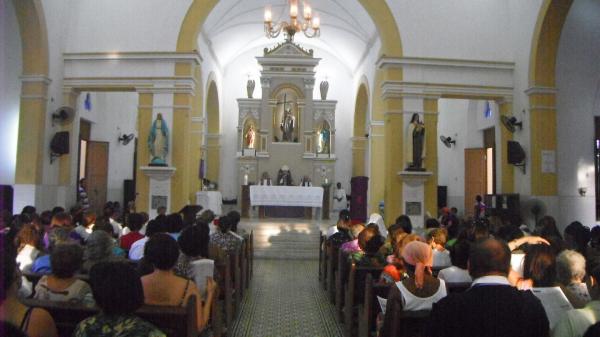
[{"x": 491, "y": 307}]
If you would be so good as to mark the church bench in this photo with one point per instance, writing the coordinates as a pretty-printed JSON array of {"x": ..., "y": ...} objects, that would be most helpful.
[
  {"x": 355, "y": 295},
  {"x": 409, "y": 324},
  {"x": 367, "y": 313},
  {"x": 331, "y": 261},
  {"x": 457, "y": 287},
  {"x": 341, "y": 276},
  {"x": 322, "y": 263},
  {"x": 224, "y": 265},
  {"x": 175, "y": 321}
]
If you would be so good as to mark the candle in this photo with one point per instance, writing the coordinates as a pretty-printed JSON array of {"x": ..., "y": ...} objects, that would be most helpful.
[
  {"x": 316, "y": 22},
  {"x": 245, "y": 179},
  {"x": 294, "y": 8},
  {"x": 268, "y": 15},
  {"x": 307, "y": 11}
]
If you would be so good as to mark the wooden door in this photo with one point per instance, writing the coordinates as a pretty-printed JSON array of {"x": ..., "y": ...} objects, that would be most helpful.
[
  {"x": 97, "y": 174},
  {"x": 475, "y": 177}
]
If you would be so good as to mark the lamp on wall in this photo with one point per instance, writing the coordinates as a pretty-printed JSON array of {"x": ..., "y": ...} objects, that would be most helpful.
[
  {"x": 310, "y": 27},
  {"x": 582, "y": 191}
]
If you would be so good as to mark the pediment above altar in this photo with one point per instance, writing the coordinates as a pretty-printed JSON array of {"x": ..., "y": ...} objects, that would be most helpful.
[{"x": 287, "y": 49}]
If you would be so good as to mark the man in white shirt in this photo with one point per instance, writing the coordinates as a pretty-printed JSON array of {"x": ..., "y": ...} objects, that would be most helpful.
[
  {"x": 577, "y": 321},
  {"x": 136, "y": 252}
]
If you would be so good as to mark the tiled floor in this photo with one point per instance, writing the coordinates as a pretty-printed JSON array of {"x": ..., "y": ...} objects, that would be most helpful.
[{"x": 285, "y": 300}]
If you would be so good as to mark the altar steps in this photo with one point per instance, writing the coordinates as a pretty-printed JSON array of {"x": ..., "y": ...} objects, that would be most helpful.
[{"x": 284, "y": 239}]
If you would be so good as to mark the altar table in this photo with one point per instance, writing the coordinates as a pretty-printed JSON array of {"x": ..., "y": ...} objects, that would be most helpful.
[{"x": 290, "y": 196}]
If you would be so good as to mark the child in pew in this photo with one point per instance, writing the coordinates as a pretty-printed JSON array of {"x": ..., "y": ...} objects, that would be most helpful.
[
  {"x": 118, "y": 292},
  {"x": 437, "y": 239},
  {"x": 61, "y": 285},
  {"x": 191, "y": 264}
]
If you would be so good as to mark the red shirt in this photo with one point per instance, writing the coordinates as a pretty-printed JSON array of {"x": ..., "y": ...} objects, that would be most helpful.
[{"x": 128, "y": 239}]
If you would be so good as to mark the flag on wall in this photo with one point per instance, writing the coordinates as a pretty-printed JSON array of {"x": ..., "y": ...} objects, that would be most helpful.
[
  {"x": 87, "y": 104},
  {"x": 487, "y": 113}
]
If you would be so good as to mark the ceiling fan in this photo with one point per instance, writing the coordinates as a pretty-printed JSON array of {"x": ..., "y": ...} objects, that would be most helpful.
[
  {"x": 448, "y": 141},
  {"x": 511, "y": 123}
]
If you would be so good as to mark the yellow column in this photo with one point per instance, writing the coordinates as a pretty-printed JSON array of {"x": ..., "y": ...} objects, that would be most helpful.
[
  {"x": 196, "y": 136},
  {"x": 65, "y": 162},
  {"x": 393, "y": 143},
  {"x": 144, "y": 121},
  {"x": 32, "y": 129},
  {"x": 507, "y": 171},
  {"x": 181, "y": 151},
  {"x": 430, "y": 107},
  {"x": 359, "y": 145},
  {"x": 543, "y": 138}
]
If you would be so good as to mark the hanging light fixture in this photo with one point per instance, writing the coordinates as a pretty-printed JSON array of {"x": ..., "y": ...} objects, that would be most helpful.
[{"x": 310, "y": 27}]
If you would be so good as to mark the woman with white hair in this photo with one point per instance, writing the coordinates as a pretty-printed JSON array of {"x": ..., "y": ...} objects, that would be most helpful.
[{"x": 570, "y": 272}]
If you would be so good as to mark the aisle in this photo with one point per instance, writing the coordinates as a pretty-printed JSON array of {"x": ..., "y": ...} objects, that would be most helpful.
[{"x": 285, "y": 300}]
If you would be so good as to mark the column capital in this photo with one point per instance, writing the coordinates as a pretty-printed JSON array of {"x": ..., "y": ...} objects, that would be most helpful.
[{"x": 540, "y": 90}]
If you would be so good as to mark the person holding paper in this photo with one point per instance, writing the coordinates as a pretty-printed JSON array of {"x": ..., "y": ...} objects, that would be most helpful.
[
  {"x": 577, "y": 321},
  {"x": 491, "y": 307}
]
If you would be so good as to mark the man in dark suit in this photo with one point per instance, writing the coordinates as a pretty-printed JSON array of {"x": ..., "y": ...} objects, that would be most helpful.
[{"x": 491, "y": 307}]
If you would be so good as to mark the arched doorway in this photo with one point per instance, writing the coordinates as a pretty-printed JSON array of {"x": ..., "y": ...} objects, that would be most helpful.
[
  {"x": 213, "y": 146},
  {"x": 360, "y": 140}
]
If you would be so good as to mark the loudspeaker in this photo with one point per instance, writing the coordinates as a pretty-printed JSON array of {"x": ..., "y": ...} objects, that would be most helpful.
[
  {"x": 442, "y": 200},
  {"x": 6, "y": 198},
  {"x": 128, "y": 191},
  {"x": 516, "y": 155},
  {"x": 60, "y": 143}
]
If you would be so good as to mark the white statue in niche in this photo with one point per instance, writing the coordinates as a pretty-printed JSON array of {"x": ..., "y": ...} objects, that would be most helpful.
[
  {"x": 158, "y": 142},
  {"x": 324, "y": 139},
  {"x": 250, "y": 137}
]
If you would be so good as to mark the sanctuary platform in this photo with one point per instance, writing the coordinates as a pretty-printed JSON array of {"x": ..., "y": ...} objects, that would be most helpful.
[{"x": 285, "y": 238}]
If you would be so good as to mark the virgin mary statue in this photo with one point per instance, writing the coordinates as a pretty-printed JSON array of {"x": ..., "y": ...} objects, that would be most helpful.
[{"x": 158, "y": 142}]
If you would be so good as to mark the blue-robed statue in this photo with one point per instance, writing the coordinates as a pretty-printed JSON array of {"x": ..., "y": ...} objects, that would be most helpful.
[{"x": 158, "y": 142}]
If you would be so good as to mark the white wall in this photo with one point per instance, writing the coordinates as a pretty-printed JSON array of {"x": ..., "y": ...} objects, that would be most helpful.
[
  {"x": 113, "y": 114},
  {"x": 464, "y": 121},
  {"x": 10, "y": 70},
  {"x": 578, "y": 101}
]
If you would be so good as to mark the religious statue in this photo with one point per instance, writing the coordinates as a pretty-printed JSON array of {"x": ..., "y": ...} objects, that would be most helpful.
[
  {"x": 250, "y": 137},
  {"x": 284, "y": 176},
  {"x": 158, "y": 142},
  {"x": 323, "y": 140},
  {"x": 415, "y": 144},
  {"x": 287, "y": 124}
]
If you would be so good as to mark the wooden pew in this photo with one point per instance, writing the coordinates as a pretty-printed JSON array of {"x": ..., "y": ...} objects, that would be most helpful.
[
  {"x": 354, "y": 294},
  {"x": 341, "y": 276},
  {"x": 410, "y": 324},
  {"x": 225, "y": 282},
  {"x": 331, "y": 260},
  {"x": 244, "y": 265},
  {"x": 457, "y": 287},
  {"x": 367, "y": 314},
  {"x": 322, "y": 260},
  {"x": 174, "y": 321}
]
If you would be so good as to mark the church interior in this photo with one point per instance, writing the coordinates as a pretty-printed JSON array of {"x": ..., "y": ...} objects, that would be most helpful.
[{"x": 289, "y": 112}]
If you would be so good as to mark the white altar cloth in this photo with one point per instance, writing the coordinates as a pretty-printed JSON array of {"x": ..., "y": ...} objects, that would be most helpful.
[
  {"x": 210, "y": 200},
  {"x": 261, "y": 195}
]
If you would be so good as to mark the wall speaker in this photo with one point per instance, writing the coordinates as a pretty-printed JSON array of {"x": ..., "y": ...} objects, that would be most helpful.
[
  {"x": 516, "y": 155},
  {"x": 60, "y": 143}
]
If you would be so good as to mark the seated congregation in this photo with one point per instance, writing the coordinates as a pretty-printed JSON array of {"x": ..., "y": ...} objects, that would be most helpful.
[
  {"x": 78, "y": 274},
  {"x": 475, "y": 277}
]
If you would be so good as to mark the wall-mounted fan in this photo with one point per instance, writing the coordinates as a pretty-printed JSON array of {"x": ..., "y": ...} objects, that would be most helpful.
[
  {"x": 533, "y": 210},
  {"x": 63, "y": 115},
  {"x": 448, "y": 141},
  {"x": 511, "y": 123},
  {"x": 125, "y": 139}
]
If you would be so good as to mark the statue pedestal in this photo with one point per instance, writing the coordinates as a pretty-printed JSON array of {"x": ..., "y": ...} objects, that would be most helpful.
[
  {"x": 160, "y": 187},
  {"x": 413, "y": 195}
]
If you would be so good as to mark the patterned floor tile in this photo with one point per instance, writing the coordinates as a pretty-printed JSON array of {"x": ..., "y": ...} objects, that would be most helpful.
[{"x": 285, "y": 300}]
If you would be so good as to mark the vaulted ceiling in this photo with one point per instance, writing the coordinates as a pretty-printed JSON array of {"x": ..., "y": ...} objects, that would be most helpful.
[{"x": 236, "y": 26}]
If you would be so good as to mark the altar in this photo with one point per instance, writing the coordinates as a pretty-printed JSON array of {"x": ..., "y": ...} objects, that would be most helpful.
[{"x": 286, "y": 201}]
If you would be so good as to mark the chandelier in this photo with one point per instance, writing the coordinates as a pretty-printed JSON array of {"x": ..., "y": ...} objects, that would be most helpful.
[{"x": 310, "y": 26}]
